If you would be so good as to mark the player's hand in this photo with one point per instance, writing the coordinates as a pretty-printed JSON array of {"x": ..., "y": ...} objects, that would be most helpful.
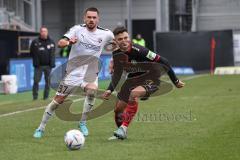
[
  {"x": 73, "y": 40},
  {"x": 110, "y": 47},
  {"x": 106, "y": 94},
  {"x": 180, "y": 84}
]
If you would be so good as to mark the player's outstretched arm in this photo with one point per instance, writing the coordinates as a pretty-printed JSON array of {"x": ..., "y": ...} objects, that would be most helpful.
[
  {"x": 178, "y": 83},
  {"x": 146, "y": 53}
]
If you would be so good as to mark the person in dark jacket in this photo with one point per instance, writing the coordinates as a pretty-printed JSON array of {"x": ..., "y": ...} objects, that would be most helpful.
[{"x": 43, "y": 53}]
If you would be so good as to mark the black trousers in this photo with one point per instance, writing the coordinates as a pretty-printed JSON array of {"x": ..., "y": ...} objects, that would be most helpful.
[{"x": 37, "y": 77}]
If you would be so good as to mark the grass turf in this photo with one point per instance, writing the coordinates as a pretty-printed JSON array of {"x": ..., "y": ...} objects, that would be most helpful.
[{"x": 200, "y": 121}]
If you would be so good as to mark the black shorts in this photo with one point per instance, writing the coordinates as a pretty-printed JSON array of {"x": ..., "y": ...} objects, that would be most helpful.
[{"x": 149, "y": 85}]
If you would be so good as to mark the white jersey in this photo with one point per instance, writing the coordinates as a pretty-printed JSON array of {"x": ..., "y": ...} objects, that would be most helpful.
[
  {"x": 88, "y": 43},
  {"x": 82, "y": 70}
]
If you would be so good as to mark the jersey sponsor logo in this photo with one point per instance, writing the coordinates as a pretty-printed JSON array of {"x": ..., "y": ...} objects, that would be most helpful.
[
  {"x": 41, "y": 48},
  {"x": 82, "y": 36},
  {"x": 151, "y": 55},
  {"x": 90, "y": 46},
  {"x": 133, "y": 61},
  {"x": 135, "y": 48}
]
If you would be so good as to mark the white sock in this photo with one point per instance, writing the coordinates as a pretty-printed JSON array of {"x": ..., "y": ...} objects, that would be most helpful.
[
  {"x": 88, "y": 105},
  {"x": 124, "y": 128},
  {"x": 49, "y": 111}
]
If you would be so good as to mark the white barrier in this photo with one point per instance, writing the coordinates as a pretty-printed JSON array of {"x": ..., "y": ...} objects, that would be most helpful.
[
  {"x": 227, "y": 70},
  {"x": 9, "y": 84}
]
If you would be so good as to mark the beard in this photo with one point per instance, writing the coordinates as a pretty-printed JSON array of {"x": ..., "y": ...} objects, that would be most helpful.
[{"x": 91, "y": 26}]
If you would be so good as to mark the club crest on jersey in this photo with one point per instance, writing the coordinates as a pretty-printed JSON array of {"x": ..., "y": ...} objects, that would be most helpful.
[{"x": 151, "y": 55}]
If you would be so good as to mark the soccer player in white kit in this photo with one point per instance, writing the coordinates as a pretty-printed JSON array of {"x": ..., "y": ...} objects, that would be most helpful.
[{"x": 87, "y": 40}]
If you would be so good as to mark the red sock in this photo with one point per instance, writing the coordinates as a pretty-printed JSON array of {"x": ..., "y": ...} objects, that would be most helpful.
[{"x": 129, "y": 113}]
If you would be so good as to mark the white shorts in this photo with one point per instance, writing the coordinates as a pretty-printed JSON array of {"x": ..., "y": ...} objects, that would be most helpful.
[{"x": 77, "y": 79}]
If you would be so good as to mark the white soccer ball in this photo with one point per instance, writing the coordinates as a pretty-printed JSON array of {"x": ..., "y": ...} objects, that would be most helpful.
[{"x": 74, "y": 139}]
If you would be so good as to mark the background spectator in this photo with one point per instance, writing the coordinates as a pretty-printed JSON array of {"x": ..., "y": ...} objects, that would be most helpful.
[{"x": 43, "y": 54}]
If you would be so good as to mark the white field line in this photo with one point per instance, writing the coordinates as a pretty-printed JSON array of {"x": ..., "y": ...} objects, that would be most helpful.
[
  {"x": 193, "y": 77},
  {"x": 31, "y": 109},
  {"x": 76, "y": 100},
  {"x": 7, "y": 102}
]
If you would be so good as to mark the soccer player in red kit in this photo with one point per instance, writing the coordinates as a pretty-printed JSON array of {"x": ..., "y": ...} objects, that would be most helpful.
[{"x": 144, "y": 69}]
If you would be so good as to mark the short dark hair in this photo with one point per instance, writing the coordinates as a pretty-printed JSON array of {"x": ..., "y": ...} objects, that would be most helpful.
[
  {"x": 42, "y": 27},
  {"x": 93, "y": 9},
  {"x": 119, "y": 30}
]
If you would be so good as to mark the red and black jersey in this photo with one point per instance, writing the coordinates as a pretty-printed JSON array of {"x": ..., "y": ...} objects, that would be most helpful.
[{"x": 138, "y": 54}]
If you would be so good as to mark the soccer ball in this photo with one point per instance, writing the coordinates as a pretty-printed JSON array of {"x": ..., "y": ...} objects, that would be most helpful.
[{"x": 74, "y": 139}]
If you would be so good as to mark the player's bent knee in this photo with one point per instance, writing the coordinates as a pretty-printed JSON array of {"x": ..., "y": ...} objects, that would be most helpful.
[
  {"x": 136, "y": 94},
  {"x": 59, "y": 99},
  {"x": 91, "y": 90},
  {"x": 90, "y": 86},
  {"x": 133, "y": 95}
]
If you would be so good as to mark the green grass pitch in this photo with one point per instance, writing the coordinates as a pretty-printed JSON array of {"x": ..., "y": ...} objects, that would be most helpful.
[{"x": 199, "y": 122}]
